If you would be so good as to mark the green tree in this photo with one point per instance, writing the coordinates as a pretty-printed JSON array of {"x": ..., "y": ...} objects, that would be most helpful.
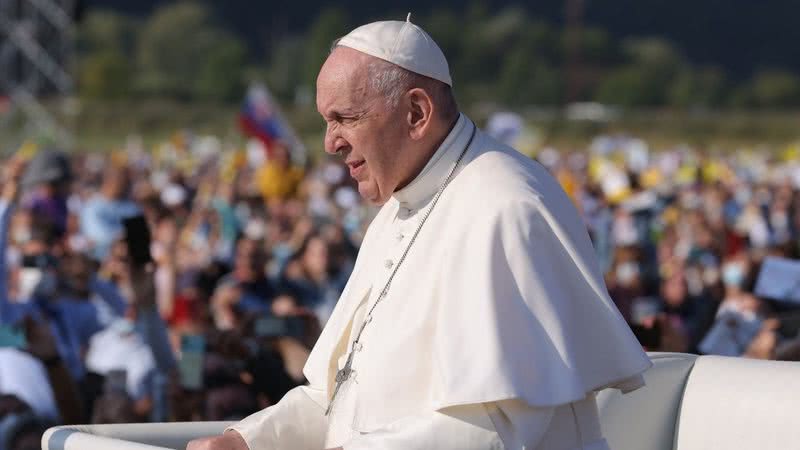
[
  {"x": 525, "y": 80},
  {"x": 597, "y": 47},
  {"x": 629, "y": 86},
  {"x": 704, "y": 87},
  {"x": 182, "y": 53},
  {"x": 332, "y": 23},
  {"x": 776, "y": 89},
  {"x": 105, "y": 41},
  {"x": 107, "y": 31},
  {"x": 646, "y": 79},
  {"x": 285, "y": 68},
  {"x": 105, "y": 75},
  {"x": 216, "y": 81},
  {"x": 445, "y": 27}
]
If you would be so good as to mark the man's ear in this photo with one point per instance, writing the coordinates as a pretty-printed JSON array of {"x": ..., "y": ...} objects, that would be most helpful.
[{"x": 420, "y": 112}]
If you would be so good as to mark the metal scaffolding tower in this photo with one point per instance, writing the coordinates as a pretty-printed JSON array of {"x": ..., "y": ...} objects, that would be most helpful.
[{"x": 36, "y": 51}]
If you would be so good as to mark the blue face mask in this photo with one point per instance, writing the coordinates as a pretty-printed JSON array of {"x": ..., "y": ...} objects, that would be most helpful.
[
  {"x": 733, "y": 275},
  {"x": 282, "y": 252},
  {"x": 123, "y": 326}
]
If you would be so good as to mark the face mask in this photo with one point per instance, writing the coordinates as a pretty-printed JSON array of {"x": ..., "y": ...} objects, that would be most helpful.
[
  {"x": 627, "y": 272},
  {"x": 733, "y": 275},
  {"x": 282, "y": 252},
  {"x": 779, "y": 220},
  {"x": 29, "y": 278},
  {"x": 21, "y": 235},
  {"x": 742, "y": 196},
  {"x": 123, "y": 326}
]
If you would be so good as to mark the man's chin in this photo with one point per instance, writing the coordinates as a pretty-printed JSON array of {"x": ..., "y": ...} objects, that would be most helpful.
[{"x": 371, "y": 195}]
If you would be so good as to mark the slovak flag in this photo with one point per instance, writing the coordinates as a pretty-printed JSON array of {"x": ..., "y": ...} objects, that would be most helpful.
[{"x": 260, "y": 118}]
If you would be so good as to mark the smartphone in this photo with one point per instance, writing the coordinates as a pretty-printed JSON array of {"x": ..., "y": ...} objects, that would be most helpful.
[
  {"x": 13, "y": 337},
  {"x": 137, "y": 238},
  {"x": 271, "y": 327},
  {"x": 190, "y": 367}
]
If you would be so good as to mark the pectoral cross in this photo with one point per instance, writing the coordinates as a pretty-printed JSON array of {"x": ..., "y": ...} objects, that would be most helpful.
[{"x": 341, "y": 376}]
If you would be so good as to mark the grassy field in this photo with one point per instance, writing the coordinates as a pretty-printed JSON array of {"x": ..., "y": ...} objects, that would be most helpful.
[{"x": 99, "y": 126}]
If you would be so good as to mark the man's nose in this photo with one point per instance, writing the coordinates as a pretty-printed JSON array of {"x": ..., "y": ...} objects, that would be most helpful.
[{"x": 334, "y": 143}]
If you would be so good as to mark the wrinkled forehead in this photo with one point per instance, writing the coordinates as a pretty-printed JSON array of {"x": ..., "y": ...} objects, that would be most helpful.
[{"x": 343, "y": 81}]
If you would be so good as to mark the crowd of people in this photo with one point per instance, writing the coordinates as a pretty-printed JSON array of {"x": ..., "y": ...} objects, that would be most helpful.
[{"x": 249, "y": 251}]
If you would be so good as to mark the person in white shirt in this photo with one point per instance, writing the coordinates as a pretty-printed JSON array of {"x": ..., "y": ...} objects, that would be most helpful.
[
  {"x": 476, "y": 316},
  {"x": 24, "y": 376}
]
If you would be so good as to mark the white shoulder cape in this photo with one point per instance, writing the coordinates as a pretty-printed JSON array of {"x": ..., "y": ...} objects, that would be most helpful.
[{"x": 500, "y": 297}]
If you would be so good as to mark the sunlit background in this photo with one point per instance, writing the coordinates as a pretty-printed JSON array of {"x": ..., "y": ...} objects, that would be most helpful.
[{"x": 673, "y": 126}]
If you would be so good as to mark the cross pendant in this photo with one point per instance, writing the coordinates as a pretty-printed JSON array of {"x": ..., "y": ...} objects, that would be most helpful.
[{"x": 341, "y": 376}]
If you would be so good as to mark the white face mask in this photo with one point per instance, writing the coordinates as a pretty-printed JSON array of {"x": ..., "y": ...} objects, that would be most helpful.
[
  {"x": 742, "y": 196},
  {"x": 29, "y": 278},
  {"x": 21, "y": 235},
  {"x": 123, "y": 326},
  {"x": 779, "y": 220},
  {"x": 627, "y": 272}
]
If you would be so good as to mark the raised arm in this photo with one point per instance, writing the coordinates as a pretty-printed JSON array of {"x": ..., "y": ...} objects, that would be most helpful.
[{"x": 8, "y": 198}]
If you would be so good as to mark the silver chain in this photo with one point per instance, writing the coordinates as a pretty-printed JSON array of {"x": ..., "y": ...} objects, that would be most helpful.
[
  {"x": 447, "y": 180},
  {"x": 343, "y": 374}
]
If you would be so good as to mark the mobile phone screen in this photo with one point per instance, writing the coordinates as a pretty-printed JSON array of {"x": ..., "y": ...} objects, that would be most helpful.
[
  {"x": 137, "y": 238},
  {"x": 271, "y": 327},
  {"x": 193, "y": 348}
]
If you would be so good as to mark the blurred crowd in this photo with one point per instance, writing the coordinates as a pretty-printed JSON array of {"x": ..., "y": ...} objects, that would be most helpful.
[
  {"x": 249, "y": 251},
  {"x": 682, "y": 237},
  {"x": 249, "y": 254}
]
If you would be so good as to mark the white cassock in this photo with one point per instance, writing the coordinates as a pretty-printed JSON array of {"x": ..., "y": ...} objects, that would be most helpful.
[{"x": 496, "y": 332}]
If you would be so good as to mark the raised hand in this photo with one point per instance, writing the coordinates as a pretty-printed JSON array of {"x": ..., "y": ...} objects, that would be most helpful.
[{"x": 12, "y": 172}]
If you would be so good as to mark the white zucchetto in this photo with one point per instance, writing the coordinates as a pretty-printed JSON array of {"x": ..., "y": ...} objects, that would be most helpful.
[{"x": 403, "y": 44}]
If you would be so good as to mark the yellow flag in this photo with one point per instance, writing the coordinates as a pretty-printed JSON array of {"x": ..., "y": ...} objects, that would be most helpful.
[{"x": 28, "y": 150}]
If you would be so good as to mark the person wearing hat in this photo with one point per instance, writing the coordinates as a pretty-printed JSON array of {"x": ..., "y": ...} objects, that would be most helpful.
[
  {"x": 476, "y": 316},
  {"x": 46, "y": 181}
]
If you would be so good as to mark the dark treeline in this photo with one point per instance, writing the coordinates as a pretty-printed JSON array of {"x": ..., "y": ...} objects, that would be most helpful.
[{"x": 633, "y": 54}]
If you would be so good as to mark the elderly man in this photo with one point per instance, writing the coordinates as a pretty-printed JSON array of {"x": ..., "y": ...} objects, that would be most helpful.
[{"x": 476, "y": 316}]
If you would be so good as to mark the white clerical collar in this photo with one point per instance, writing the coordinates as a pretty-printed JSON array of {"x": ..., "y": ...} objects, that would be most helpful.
[{"x": 425, "y": 185}]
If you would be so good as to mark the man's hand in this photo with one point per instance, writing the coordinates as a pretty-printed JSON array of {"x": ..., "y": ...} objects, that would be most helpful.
[{"x": 230, "y": 440}]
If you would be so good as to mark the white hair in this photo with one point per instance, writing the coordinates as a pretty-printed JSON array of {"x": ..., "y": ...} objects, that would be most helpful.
[
  {"x": 392, "y": 81},
  {"x": 389, "y": 80}
]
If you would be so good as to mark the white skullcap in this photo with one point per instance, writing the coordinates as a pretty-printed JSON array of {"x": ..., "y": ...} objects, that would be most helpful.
[{"x": 403, "y": 44}]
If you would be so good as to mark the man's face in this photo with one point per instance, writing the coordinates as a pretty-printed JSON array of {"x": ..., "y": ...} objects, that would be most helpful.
[{"x": 368, "y": 134}]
